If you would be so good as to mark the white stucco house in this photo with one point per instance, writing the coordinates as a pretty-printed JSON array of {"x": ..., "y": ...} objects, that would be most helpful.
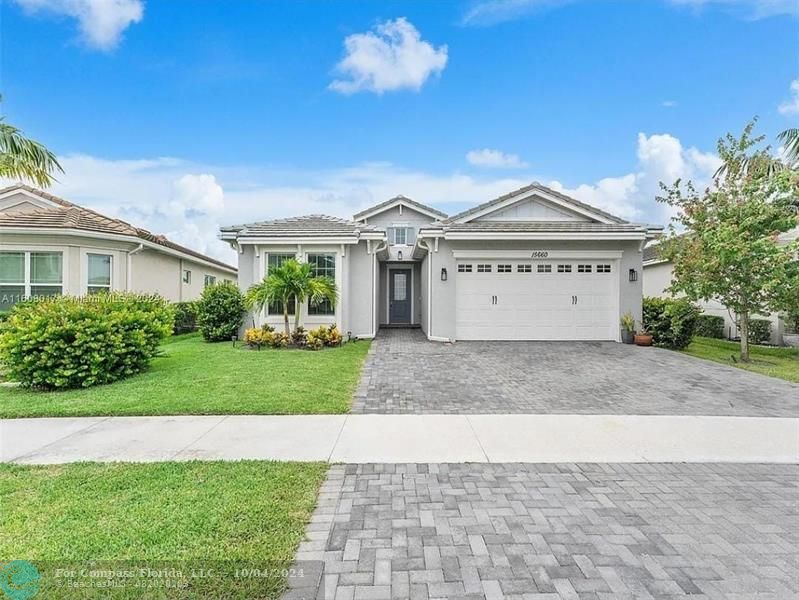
[
  {"x": 50, "y": 246},
  {"x": 533, "y": 264},
  {"x": 658, "y": 276}
]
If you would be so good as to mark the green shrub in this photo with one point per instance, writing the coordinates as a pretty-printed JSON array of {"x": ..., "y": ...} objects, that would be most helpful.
[
  {"x": 4, "y": 314},
  {"x": 185, "y": 317},
  {"x": 711, "y": 326},
  {"x": 671, "y": 321},
  {"x": 220, "y": 312},
  {"x": 759, "y": 331},
  {"x": 66, "y": 342}
]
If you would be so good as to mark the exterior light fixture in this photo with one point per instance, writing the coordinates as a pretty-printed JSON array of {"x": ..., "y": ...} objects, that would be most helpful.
[
  {"x": 399, "y": 255},
  {"x": 443, "y": 273},
  {"x": 633, "y": 275}
]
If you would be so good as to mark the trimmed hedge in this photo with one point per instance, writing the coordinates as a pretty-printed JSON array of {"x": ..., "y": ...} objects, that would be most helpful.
[
  {"x": 671, "y": 321},
  {"x": 66, "y": 342},
  {"x": 220, "y": 312},
  {"x": 185, "y": 317},
  {"x": 711, "y": 326},
  {"x": 759, "y": 331}
]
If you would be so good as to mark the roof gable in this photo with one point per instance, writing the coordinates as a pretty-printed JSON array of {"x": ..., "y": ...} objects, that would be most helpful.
[
  {"x": 400, "y": 201},
  {"x": 565, "y": 208}
]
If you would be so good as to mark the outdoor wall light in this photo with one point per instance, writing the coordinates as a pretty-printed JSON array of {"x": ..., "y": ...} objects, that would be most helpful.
[
  {"x": 443, "y": 274},
  {"x": 633, "y": 275},
  {"x": 399, "y": 255}
]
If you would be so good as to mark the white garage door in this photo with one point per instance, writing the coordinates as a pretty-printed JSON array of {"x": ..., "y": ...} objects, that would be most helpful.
[{"x": 537, "y": 300}]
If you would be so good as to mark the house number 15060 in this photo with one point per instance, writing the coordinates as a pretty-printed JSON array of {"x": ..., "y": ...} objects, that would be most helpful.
[{"x": 540, "y": 254}]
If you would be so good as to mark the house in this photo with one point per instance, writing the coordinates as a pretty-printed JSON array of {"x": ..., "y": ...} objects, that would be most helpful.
[
  {"x": 533, "y": 264},
  {"x": 50, "y": 246},
  {"x": 657, "y": 280}
]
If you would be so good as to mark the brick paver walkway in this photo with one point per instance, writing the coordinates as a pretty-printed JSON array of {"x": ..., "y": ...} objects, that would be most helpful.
[
  {"x": 565, "y": 531},
  {"x": 404, "y": 373}
]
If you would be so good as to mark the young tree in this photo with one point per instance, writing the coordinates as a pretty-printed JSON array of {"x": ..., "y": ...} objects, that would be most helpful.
[
  {"x": 291, "y": 280},
  {"x": 24, "y": 158},
  {"x": 730, "y": 251}
]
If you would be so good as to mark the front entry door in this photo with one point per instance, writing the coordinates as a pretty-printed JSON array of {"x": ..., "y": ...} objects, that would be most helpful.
[{"x": 399, "y": 296}]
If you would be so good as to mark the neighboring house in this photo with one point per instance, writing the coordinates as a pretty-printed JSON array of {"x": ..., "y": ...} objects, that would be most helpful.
[
  {"x": 657, "y": 280},
  {"x": 531, "y": 265},
  {"x": 49, "y": 246}
]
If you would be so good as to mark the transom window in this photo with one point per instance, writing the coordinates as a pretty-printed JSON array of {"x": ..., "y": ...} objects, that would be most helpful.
[
  {"x": 483, "y": 268},
  {"x": 524, "y": 268},
  {"x": 99, "y": 273},
  {"x": 503, "y": 269},
  {"x": 464, "y": 268},
  {"x": 564, "y": 268},
  {"x": 603, "y": 268},
  {"x": 276, "y": 306},
  {"x": 29, "y": 274},
  {"x": 401, "y": 236},
  {"x": 323, "y": 265},
  {"x": 584, "y": 268},
  {"x": 544, "y": 268},
  {"x": 209, "y": 280}
]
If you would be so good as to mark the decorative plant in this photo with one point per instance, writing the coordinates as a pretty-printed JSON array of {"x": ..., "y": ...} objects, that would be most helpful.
[
  {"x": 628, "y": 322},
  {"x": 220, "y": 312}
]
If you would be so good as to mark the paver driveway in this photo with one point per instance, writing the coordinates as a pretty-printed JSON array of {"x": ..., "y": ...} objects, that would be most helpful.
[
  {"x": 568, "y": 531},
  {"x": 404, "y": 373}
]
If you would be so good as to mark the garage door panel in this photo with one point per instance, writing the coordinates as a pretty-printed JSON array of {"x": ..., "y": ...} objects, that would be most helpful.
[{"x": 536, "y": 305}]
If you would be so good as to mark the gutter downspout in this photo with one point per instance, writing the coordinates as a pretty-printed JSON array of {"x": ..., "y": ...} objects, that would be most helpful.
[
  {"x": 129, "y": 274},
  {"x": 378, "y": 248},
  {"x": 426, "y": 246}
]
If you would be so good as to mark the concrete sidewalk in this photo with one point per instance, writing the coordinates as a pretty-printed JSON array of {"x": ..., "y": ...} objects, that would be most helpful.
[{"x": 404, "y": 439}]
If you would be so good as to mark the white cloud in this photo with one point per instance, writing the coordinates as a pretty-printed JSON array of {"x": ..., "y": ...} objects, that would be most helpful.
[
  {"x": 101, "y": 22},
  {"x": 491, "y": 12},
  {"x": 791, "y": 107},
  {"x": 668, "y": 103},
  {"x": 392, "y": 57},
  {"x": 488, "y": 157}
]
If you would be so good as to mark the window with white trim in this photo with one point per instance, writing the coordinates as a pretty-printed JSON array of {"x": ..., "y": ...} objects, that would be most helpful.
[
  {"x": 26, "y": 274},
  {"x": 323, "y": 265},
  {"x": 400, "y": 236},
  {"x": 603, "y": 268},
  {"x": 209, "y": 280},
  {"x": 98, "y": 268},
  {"x": 483, "y": 268},
  {"x": 584, "y": 268},
  {"x": 464, "y": 268},
  {"x": 564, "y": 268},
  {"x": 524, "y": 268},
  {"x": 504, "y": 269},
  {"x": 274, "y": 260},
  {"x": 544, "y": 268}
]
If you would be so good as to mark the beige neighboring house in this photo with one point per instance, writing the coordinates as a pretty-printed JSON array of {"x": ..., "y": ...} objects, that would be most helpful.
[
  {"x": 49, "y": 246},
  {"x": 657, "y": 280}
]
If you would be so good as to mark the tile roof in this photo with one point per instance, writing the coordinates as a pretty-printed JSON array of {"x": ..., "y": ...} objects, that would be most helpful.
[
  {"x": 408, "y": 201},
  {"x": 305, "y": 226},
  {"x": 544, "y": 226},
  {"x": 71, "y": 216},
  {"x": 651, "y": 252},
  {"x": 529, "y": 188}
]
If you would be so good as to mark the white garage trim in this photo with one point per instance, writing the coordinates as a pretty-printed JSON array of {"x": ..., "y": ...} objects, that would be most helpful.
[{"x": 528, "y": 254}]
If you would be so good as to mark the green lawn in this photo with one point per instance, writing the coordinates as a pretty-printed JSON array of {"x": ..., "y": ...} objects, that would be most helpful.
[
  {"x": 196, "y": 378},
  {"x": 177, "y": 515},
  {"x": 775, "y": 362}
]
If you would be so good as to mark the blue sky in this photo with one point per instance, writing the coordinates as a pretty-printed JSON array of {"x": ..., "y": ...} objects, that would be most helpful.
[{"x": 182, "y": 116}]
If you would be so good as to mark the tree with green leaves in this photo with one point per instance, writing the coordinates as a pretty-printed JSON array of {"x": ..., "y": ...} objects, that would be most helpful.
[
  {"x": 291, "y": 280},
  {"x": 730, "y": 251},
  {"x": 25, "y": 159}
]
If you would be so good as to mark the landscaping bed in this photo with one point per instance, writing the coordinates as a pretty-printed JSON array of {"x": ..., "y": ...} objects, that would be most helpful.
[
  {"x": 192, "y": 377},
  {"x": 184, "y": 516},
  {"x": 774, "y": 362}
]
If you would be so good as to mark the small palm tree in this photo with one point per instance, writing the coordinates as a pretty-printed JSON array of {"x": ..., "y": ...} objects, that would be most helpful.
[
  {"x": 24, "y": 158},
  {"x": 291, "y": 280},
  {"x": 790, "y": 139}
]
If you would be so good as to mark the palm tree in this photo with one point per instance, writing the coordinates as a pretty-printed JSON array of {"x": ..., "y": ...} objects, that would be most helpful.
[
  {"x": 291, "y": 280},
  {"x": 790, "y": 140},
  {"x": 24, "y": 158},
  {"x": 762, "y": 163}
]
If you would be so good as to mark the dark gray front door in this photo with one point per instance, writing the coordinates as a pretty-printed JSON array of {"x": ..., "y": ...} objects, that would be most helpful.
[{"x": 399, "y": 296}]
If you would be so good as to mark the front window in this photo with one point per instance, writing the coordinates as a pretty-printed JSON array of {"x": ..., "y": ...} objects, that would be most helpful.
[
  {"x": 400, "y": 236},
  {"x": 324, "y": 265},
  {"x": 209, "y": 280},
  {"x": 276, "y": 306},
  {"x": 99, "y": 269},
  {"x": 27, "y": 274}
]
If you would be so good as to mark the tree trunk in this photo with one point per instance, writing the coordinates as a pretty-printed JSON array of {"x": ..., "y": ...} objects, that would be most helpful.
[
  {"x": 286, "y": 318},
  {"x": 744, "y": 333},
  {"x": 296, "y": 313}
]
